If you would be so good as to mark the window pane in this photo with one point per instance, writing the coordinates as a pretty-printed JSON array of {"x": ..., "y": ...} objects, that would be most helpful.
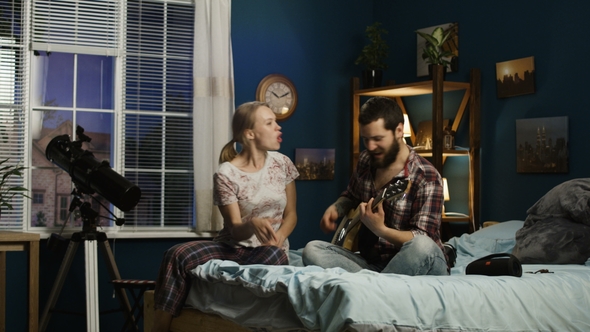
[
  {"x": 149, "y": 209},
  {"x": 57, "y": 187},
  {"x": 46, "y": 125},
  {"x": 95, "y": 81},
  {"x": 179, "y": 143},
  {"x": 99, "y": 128},
  {"x": 143, "y": 134},
  {"x": 52, "y": 77},
  {"x": 178, "y": 199}
]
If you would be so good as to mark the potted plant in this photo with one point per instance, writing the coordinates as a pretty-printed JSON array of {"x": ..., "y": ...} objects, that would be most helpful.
[
  {"x": 372, "y": 56},
  {"x": 7, "y": 192},
  {"x": 433, "y": 53}
]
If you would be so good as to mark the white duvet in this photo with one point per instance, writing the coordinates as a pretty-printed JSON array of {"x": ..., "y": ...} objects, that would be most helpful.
[{"x": 291, "y": 298}]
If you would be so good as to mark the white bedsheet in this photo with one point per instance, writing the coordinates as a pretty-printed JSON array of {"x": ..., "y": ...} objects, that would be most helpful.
[{"x": 286, "y": 298}]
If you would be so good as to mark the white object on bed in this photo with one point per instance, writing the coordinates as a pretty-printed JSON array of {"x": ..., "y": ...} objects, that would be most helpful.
[{"x": 288, "y": 297}]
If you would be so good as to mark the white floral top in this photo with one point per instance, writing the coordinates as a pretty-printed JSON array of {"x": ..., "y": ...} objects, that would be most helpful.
[{"x": 260, "y": 194}]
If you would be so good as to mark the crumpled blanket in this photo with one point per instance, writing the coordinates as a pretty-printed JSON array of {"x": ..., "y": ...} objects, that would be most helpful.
[
  {"x": 570, "y": 200},
  {"x": 557, "y": 228}
]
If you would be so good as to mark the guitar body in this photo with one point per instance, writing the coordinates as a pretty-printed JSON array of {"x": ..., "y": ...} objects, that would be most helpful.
[
  {"x": 346, "y": 234},
  {"x": 353, "y": 235}
]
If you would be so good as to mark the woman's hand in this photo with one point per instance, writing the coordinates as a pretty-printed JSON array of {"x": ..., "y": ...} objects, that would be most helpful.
[
  {"x": 262, "y": 228},
  {"x": 279, "y": 242}
]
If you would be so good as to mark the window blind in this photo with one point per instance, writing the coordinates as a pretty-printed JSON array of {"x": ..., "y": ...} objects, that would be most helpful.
[
  {"x": 157, "y": 105},
  {"x": 12, "y": 92},
  {"x": 76, "y": 26}
]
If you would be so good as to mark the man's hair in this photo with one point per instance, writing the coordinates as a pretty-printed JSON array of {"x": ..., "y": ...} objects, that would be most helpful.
[{"x": 381, "y": 108}]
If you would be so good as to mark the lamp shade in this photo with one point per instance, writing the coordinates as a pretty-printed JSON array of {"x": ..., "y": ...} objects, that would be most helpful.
[
  {"x": 446, "y": 190},
  {"x": 407, "y": 130}
]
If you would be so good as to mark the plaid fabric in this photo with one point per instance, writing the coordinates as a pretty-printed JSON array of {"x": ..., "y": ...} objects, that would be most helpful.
[
  {"x": 420, "y": 211},
  {"x": 174, "y": 278}
]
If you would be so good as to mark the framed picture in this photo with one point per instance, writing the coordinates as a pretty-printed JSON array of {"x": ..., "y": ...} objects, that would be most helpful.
[
  {"x": 451, "y": 45},
  {"x": 542, "y": 145},
  {"x": 315, "y": 164},
  {"x": 515, "y": 77}
]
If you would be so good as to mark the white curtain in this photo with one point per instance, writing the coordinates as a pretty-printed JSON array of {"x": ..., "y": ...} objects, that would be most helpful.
[{"x": 213, "y": 102}]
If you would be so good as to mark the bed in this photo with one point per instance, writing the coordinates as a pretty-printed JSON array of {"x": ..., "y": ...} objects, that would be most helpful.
[{"x": 228, "y": 297}]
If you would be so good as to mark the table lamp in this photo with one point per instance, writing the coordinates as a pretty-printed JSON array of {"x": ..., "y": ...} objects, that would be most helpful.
[
  {"x": 446, "y": 195},
  {"x": 407, "y": 130}
]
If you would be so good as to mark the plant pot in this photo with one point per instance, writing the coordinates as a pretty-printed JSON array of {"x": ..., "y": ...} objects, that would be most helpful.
[
  {"x": 430, "y": 72},
  {"x": 372, "y": 78}
]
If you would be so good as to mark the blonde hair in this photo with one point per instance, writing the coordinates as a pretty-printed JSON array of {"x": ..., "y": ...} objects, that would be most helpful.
[{"x": 242, "y": 120}]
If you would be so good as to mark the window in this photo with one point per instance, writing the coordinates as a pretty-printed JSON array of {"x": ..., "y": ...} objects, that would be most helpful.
[
  {"x": 63, "y": 209},
  {"x": 12, "y": 119},
  {"x": 38, "y": 197},
  {"x": 122, "y": 74},
  {"x": 75, "y": 94},
  {"x": 157, "y": 112}
]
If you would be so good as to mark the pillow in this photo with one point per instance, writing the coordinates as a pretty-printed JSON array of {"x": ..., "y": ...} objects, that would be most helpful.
[
  {"x": 498, "y": 238},
  {"x": 570, "y": 200},
  {"x": 553, "y": 241}
]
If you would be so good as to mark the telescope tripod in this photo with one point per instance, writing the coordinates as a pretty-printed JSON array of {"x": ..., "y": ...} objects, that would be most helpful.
[{"x": 91, "y": 239}]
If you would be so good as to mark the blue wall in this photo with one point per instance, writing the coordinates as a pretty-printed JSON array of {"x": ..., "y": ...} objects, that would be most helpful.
[
  {"x": 499, "y": 31},
  {"x": 315, "y": 44}
]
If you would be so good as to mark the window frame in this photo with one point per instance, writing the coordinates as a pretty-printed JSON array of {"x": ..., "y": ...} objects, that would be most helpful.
[{"x": 118, "y": 143}]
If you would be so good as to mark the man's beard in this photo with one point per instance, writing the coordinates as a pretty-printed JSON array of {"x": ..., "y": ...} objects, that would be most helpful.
[{"x": 388, "y": 157}]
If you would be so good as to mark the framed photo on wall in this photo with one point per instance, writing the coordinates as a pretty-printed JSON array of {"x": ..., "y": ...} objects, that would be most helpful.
[
  {"x": 542, "y": 145},
  {"x": 450, "y": 45},
  {"x": 315, "y": 164},
  {"x": 515, "y": 77}
]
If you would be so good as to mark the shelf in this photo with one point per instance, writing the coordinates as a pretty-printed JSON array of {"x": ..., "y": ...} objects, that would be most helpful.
[
  {"x": 446, "y": 153},
  {"x": 455, "y": 219},
  {"x": 411, "y": 89},
  {"x": 470, "y": 103}
]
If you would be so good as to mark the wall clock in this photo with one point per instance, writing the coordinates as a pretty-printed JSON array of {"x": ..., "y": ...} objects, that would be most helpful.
[{"x": 280, "y": 93}]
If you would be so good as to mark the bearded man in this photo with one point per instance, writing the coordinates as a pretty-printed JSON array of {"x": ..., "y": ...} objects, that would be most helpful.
[{"x": 396, "y": 236}]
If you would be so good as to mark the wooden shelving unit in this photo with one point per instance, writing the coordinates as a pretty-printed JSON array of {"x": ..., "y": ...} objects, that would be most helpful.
[{"x": 437, "y": 88}]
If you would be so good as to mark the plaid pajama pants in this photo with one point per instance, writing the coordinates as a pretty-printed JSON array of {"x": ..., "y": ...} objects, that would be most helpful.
[{"x": 174, "y": 278}]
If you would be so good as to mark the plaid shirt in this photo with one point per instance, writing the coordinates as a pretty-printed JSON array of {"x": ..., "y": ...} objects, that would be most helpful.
[{"x": 420, "y": 211}]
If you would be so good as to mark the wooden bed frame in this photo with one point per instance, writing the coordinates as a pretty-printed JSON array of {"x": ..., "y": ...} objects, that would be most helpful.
[{"x": 190, "y": 320}]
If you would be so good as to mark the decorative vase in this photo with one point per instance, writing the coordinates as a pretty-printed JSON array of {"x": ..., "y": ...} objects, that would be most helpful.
[{"x": 372, "y": 78}]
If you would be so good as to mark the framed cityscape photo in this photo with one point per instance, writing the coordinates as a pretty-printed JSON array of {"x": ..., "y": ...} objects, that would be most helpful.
[
  {"x": 515, "y": 77},
  {"x": 315, "y": 164},
  {"x": 542, "y": 145}
]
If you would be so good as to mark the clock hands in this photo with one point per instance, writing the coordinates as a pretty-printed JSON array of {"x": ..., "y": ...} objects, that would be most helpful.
[
  {"x": 275, "y": 94},
  {"x": 283, "y": 95}
]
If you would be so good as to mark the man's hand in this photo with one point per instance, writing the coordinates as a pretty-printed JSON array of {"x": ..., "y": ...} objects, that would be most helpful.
[
  {"x": 328, "y": 223},
  {"x": 375, "y": 221}
]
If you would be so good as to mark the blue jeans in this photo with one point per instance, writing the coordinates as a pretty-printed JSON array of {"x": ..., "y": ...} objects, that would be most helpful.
[{"x": 419, "y": 256}]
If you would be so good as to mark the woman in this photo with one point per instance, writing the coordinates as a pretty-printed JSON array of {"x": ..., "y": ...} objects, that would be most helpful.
[{"x": 255, "y": 193}]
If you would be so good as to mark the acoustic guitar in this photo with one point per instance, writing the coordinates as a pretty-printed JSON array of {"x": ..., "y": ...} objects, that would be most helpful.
[{"x": 346, "y": 235}]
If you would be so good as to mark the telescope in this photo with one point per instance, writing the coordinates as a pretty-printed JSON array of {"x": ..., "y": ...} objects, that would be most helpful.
[{"x": 90, "y": 175}]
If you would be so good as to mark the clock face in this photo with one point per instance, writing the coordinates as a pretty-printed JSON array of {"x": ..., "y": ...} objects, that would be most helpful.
[
  {"x": 280, "y": 98},
  {"x": 279, "y": 93}
]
